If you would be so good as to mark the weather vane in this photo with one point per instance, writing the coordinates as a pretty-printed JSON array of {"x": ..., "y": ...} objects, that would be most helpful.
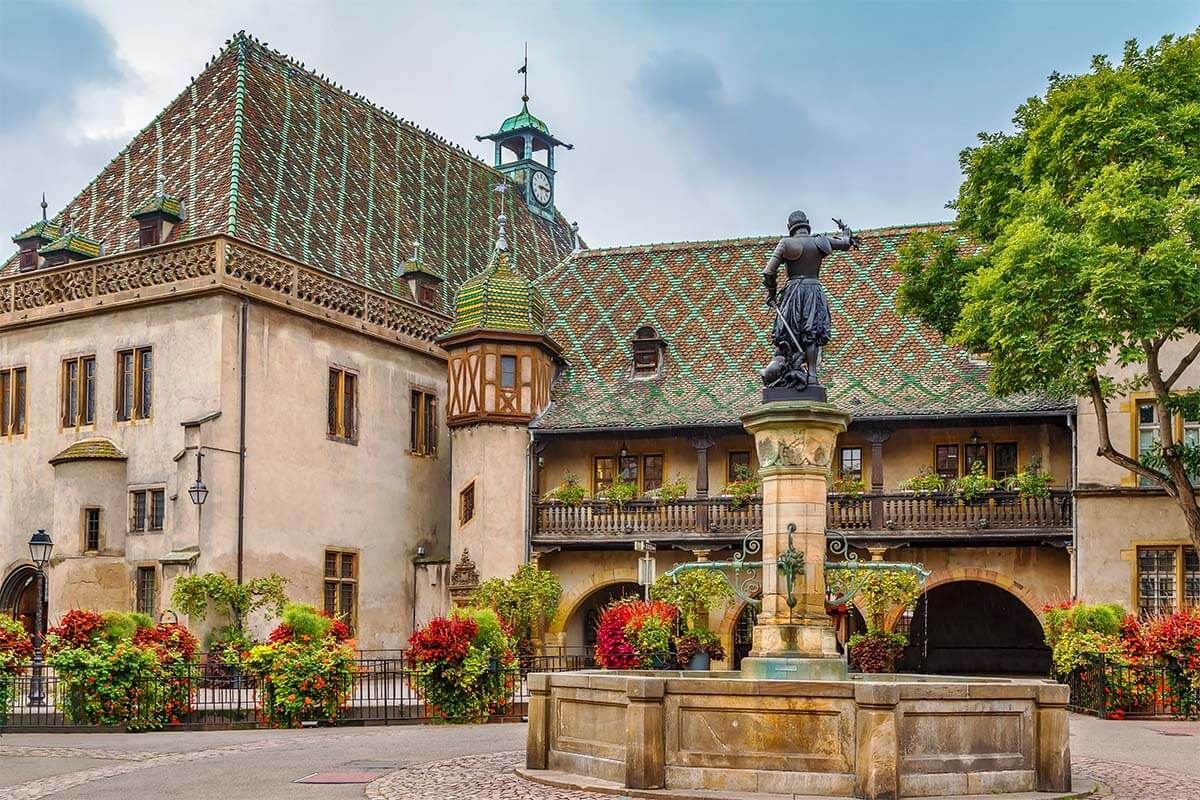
[{"x": 524, "y": 70}]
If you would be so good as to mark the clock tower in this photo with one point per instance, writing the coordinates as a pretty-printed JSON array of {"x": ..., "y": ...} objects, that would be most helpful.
[{"x": 525, "y": 153}]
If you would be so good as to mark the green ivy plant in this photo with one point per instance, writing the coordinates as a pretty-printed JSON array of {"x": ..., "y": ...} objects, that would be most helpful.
[
  {"x": 620, "y": 493},
  {"x": 198, "y": 595},
  {"x": 1031, "y": 481},
  {"x": 570, "y": 492},
  {"x": 974, "y": 485},
  {"x": 925, "y": 482},
  {"x": 879, "y": 591},
  {"x": 694, "y": 592},
  {"x": 744, "y": 488},
  {"x": 526, "y": 601},
  {"x": 669, "y": 492}
]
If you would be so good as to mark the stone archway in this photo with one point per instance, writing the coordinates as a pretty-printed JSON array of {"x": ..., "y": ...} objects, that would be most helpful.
[
  {"x": 971, "y": 627},
  {"x": 576, "y": 595},
  {"x": 990, "y": 576},
  {"x": 18, "y": 596}
]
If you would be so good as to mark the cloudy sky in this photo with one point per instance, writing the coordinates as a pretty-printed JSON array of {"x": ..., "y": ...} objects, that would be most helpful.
[{"x": 691, "y": 120}]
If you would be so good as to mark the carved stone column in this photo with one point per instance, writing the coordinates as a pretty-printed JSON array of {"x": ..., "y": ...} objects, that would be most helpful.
[{"x": 795, "y": 440}]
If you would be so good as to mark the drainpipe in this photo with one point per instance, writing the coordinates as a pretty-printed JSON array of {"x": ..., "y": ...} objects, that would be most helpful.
[
  {"x": 1071, "y": 423},
  {"x": 530, "y": 466},
  {"x": 241, "y": 527}
]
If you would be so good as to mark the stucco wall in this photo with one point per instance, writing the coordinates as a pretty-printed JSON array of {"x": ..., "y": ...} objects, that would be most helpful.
[
  {"x": 493, "y": 457},
  {"x": 304, "y": 492}
]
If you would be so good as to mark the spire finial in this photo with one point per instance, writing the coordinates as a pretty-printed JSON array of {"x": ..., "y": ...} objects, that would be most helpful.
[
  {"x": 162, "y": 184},
  {"x": 44, "y": 206},
  {"x": 524, "y": 70},
  {"x": 416, "y": 256},
  {"x": 501, "y": 189}
]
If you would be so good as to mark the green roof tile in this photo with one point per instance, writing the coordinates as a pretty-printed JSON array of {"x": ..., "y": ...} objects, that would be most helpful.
[
  {"x": 95, "y": 448},
  {"x": 161, "y": 203},
  {"x": 499, "y": 299},
  {"x": 705, "y": 299},
  {"x": 41, "y": 230},
  {"x": 73, "y": 243}
]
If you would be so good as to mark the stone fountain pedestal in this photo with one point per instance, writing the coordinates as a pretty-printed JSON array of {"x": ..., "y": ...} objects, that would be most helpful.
[{"x": 795, "y": 440}]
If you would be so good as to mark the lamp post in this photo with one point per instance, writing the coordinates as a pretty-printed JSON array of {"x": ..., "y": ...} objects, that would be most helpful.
[
  {"x": 198, "y": 491},
  {"x": 40, "y": 547}
]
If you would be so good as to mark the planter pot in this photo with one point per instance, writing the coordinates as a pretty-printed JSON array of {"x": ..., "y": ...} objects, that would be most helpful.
[
  {"x": 658, "y": 661},
  {"x": 700, "y": 661}
]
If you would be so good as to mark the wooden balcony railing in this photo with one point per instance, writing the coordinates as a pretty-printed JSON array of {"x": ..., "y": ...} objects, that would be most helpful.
[
  {"x": 902, "y": 513},
  {"x": 641, "y": 518},
  {"x": 1000, "y": 511}
]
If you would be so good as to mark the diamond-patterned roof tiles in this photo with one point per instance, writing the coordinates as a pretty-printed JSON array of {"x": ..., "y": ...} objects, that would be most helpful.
[
  {"x": 260, "y": 147},
  {"x": 706, "y": 300}
]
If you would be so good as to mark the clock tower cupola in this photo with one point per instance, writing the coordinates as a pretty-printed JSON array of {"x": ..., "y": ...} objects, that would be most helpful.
[{"x": 525, "y": 154}]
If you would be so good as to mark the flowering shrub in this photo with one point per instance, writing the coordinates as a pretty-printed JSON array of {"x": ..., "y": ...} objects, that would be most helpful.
[
  {"x": 464, "y": 665},
  {"x": 175, "y": 648},
  {"x": 107, "y": 683},
  {"x": 77, "y": 629},
  {"x": 633, "y": 633},
  {"x": 15, "y": 650},
  {"x": 300, "y": 681},
  {"x": 876, "y": 651},
  {"x": 1176, "y": 640},
  {"x": 305, "y": 672}
]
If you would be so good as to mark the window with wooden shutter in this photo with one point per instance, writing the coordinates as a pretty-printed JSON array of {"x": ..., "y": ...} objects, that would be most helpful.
[
  {"x": 423, "y": 423},
  {"x": 12, "y": 401},
  {"x": 342, "y": 411}
]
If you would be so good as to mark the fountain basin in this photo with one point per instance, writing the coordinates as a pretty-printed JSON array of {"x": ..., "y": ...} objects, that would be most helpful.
[{"x": 874, "y": 736}]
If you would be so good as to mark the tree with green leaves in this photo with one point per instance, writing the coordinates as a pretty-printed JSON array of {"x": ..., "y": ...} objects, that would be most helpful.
[
  {"x": 526, "y": 601},
  {"x": 1075, "y": 267},
  {"x": 197, "y": 595}
]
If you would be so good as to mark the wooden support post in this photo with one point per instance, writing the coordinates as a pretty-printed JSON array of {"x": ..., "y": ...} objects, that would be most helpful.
[
  {"x": 877, "y": 436},
  {"x": 702, "y": 443}
]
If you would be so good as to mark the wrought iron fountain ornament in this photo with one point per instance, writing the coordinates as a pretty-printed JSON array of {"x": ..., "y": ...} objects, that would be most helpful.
[
  {"x": 802, "y": 321},
  {"x": 747, "y": 583}
]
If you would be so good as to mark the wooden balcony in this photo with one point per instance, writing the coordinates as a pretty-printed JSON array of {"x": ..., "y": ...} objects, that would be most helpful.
[
  {"x": 710, "y": 519},
  {"x": 866, "y": 518},
  {"x": 907, "y": 516}
]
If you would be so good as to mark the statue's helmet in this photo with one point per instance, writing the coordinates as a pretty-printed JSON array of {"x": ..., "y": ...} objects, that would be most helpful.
[{"x": 798, "y": 219}]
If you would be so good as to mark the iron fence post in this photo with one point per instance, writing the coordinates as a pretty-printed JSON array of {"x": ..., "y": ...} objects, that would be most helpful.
[{"x": 1103, "y": 692}]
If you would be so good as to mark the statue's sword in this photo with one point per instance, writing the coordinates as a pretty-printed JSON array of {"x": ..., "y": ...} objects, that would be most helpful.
[{"x": 788, "y": 328}]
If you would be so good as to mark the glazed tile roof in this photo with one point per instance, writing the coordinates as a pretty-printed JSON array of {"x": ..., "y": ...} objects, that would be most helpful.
[
  {"x": 523, "y": 120},
  {"x": 171, "y": 206},
  {"x": 41, "y": 229},
  {"x": 499, "y": 299},
  {"x": 95, "y": 448},
  {"x": 73, "y": 243},
  {"x": 705, "y": 299},
  {"x": 260, "y": 147}
]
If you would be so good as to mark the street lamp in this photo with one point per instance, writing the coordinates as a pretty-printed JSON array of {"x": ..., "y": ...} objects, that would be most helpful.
[
  {"x": 198, "y": 491},
  {"x": 40, "y": 547}
]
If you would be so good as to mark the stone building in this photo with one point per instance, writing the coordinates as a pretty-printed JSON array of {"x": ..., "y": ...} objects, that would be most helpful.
[
  {"x": 258, "y": 277},
  {"x": 320, "y": 299}
]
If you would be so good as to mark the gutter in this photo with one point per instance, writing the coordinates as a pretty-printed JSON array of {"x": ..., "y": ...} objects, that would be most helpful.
[
  {"x": 241, "y": 526},
  {"x": 1071, "y": 423}
]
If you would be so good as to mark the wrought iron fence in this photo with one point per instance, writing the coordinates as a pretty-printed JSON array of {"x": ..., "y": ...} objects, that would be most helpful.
[
  {"x": 1116, "y": 688},
  {"x": 214, "y": 696}
]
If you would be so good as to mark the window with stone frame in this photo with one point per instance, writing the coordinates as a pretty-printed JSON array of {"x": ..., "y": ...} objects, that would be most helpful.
[
  {"x": 946, "y": 461},
  {"x": 341, "y": 414},
  {"x": 147, "y": 591},
  {"x": 423, "y": 423},
  {"x": 737, "y": 464},
  {"x": 975, "y": 453},
  {"x": 604, "y": 469},
  {"x": 13, "y": 391},
  {"x": 78, "y": 391},
  {"x": 850, "y": 463},
  {"x": 652, "y": 472},
  {"x": 147, "y": 510},
  {"x": 135, "y": 383},
  {"x": 92, "y": 541},
  {"x": 1147, "y": 432},
  {"x": 341, "y": 586},
  {"x": 1162, "y": 572},
  {"x": 466, "y": 504},
  {"x": 1004, "y": 460}
]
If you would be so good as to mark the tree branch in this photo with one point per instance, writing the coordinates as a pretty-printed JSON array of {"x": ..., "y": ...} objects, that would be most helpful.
[
  {"x": 1184, "y": 363},
  {"x": 1107, "y": 450}
]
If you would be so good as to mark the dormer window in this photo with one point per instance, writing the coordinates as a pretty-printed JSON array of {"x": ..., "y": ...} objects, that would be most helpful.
[
  {"x": 423, "y": 282},
  {"x": 33, "y": 239},
  {"x": 157, "y": 217},
  {"x": 29, "y": 257},
  {"x": 148, "y": 232},
  {"x": 647, "y": 352}
]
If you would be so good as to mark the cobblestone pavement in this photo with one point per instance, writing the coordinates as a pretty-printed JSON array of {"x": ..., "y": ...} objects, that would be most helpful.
[
  {"x": 1136, "y": 781},
  {"x": 487, "y": 777}
]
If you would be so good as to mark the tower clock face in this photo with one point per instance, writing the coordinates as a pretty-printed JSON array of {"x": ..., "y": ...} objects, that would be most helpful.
[{"x": 541, "y": 187}]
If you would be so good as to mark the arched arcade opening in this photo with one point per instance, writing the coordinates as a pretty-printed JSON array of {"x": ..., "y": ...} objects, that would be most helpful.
[
  {"x": 18, "y": 597},
  {"x": 973, "y": 628},
  {"x": 580, "y": 630}
]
